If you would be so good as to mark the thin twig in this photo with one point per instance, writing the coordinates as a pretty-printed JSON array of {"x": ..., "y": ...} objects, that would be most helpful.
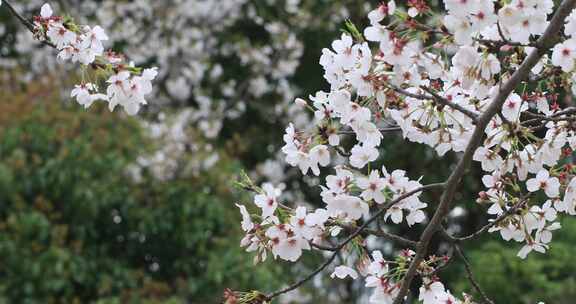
[
  {"x": 443, "y": 101},
  {"x": 485, "y": 228},
  {"x": 406, "y": 93},
  {"x": 342, "y": 152},
  {"x": 445, "y": 264},
  {"x": 554, "y": 117},
  {"x": 383, "y": 234},
  {"x": 321, "y": 247},
  {"x": 29, "y": 25},
  {"x": 382, "y": 130},
  {"x": 499, "y": 43},
  {"x": 434, "y": 97},
  {"x": 470, "y": 275}
]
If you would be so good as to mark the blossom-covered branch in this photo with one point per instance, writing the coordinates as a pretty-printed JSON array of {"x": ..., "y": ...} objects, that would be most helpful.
[
  {"x": 543, "y": 43},
  {"x": 351, "y": 237},
  {"x": 470, "y": 85},
  {"x": 127, "y": 85}
]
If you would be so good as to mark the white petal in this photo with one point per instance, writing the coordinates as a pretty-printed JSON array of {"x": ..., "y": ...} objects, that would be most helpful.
[{"x": 46, "y": 11}]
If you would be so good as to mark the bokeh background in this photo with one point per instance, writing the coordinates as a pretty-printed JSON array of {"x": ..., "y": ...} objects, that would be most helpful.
[{"x": 99, "y": 207}]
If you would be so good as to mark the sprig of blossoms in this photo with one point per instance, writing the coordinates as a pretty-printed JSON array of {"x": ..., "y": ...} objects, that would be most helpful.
[
  {"x": 127, "y": 85},
  {"x": 348, "y": 196}
]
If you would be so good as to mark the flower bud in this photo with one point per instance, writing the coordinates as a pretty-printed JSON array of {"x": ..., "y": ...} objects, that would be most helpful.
[{"x": 301, "y": 102}]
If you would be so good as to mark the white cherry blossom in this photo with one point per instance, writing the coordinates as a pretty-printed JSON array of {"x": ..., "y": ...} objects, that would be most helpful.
[{"x": 543, "y": 181}]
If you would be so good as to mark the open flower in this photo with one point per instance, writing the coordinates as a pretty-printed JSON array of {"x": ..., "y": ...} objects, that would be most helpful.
[
  {"x": 342, "y": 272},
  {"x": 373, "y": 186},
  {"x": 543, "y": 181}
]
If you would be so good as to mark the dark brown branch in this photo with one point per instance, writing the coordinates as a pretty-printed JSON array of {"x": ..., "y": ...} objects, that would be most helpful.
[
  {"x": 485, "y": 228},
  {"x": 434, "y": 97},
  {"x": 500, "y": 43},
  {"x": 542, "y": 45},
  {"x": 383, "y": 234},
  {"x": 382, "y": 130},
  {"x": 321, "y": 247},
  {"x": 29, "y": 25},
  {"x": 470, "y": 275},
  {"x": 443, "y": 101},
  {"x": 554, "y": 117},
  {"x": 567, "y": 111},
  {"x": 358, "y": 231}
]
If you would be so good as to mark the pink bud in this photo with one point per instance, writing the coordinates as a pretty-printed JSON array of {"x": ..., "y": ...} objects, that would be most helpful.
[
  {"x": 506, "y": 48},
  {"x": 301, "y": 102}
]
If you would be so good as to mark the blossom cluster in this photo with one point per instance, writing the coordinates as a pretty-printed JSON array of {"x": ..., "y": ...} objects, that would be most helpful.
[
  {"x": 286, "y": 239},
  {"x": 127, "y": 86},
  {"x": 287, "y": 232},
  {"x": 433, "y": 84},
  {"x": 382, "y": 275}
]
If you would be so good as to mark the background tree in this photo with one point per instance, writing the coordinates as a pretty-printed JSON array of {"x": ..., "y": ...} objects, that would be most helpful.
[{"x": 77, "y": 226}]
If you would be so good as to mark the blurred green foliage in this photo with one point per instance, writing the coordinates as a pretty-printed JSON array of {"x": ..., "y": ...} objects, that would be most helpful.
[
  {"x": 508, "y": 279},
  {"x": 75, "y": 228}
]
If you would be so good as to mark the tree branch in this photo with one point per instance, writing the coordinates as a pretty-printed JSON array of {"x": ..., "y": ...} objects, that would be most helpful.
[
  {"x": 470, "y": 275},
  {"x": 383, "y": 234},
  {"x": 321, "y": 247},
  {"x": 382, "y": 130},
  {"x": 443, "y": 101},
  {"x": 434, "y": 97},
  {"x": 554, "y": 117},
  {"x": 542, "y": 45},
  {"x": 485, "y": 228},
  {"x": 29, "y": 25}
]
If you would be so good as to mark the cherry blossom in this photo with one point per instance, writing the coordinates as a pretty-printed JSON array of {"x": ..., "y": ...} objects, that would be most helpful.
[
  {"x": 373, "y": 187},
  {"x": 385, "y": 9},
  {"x": 342, "y": 272},
  {"x": 247, "y": 224},
  {"x": 267, "y": 201},
  {"x": 563, "y": 55},
  {"x": 362, "y": 155},
  {"x": 431, "y": 293},
  {"x": 543, "y": 181}
]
